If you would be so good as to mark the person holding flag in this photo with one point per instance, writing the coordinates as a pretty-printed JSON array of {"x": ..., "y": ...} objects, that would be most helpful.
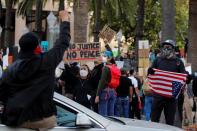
[{"x": 167, "y": 77}]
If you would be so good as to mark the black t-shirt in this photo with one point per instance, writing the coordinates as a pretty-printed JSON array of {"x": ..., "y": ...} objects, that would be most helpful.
[
  {"x": 173, "y": 65},
  {"x": 123, "y": 89}
]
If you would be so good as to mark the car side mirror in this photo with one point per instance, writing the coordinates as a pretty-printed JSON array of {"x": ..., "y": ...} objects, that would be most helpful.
[{"x": 83, "y": 121}]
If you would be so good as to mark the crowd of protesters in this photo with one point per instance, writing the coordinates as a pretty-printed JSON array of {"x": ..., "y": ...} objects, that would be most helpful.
[
  {"x": 128, "y": 95},
  {"x": 90, "y": 88},
  {"x": 133, "y": 98}
]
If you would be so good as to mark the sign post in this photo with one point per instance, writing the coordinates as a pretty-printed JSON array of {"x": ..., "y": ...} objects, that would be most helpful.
[{"x": 143, "y": 52}]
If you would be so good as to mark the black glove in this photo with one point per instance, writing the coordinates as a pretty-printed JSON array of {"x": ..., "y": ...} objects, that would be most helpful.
[{"x": 150, "y": 71}]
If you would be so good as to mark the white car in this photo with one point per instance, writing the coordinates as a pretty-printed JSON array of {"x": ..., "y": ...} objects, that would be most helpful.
[{"x": 72, "y": 116}]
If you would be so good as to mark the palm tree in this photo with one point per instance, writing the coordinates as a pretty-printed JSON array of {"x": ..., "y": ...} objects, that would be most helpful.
[
  {"x": 61, "y": 5},
  {"x": 168, "y": 20},
  {"x": 0, "y": 20},
  {"x": 0, "y": 9},
  {"x": 139, "y": 25},
  {"x": 97, "y": 18},
  {"x": 38, "y": 17},
  {"x": 25, "y": 8},
  {"x": 7, "y": 37},
  {"x": 115, "y": 13},
  {"x": 81, "y": 8},
  {"x": 192, "y": 54}
]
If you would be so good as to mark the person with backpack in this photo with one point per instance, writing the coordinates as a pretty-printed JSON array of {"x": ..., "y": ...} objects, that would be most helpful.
[
  {"x": 167, "y": 61},
  {"x": 135, "y": 104},
  {"x": 27, "y": 86},
  {"x": 124, "y": 93},
  {"x": 106, "y": 92}
]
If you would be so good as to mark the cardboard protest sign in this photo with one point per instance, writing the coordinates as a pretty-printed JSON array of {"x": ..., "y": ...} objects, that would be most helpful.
[
  {"x": 44, "y": 46},
  {"x": 143, "y": 53},
  {"x": 83, "y": 52},
  {"x": 115, "y": 52},
  {"x": 107, "y": 33},
  {"x": 143, "y": 44},
  {"x": 120, "y": 64},
  {"x": 188, "y": 68}
]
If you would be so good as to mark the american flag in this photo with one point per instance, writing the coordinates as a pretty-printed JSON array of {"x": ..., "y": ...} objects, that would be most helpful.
[{"x": 165, "y": 83}]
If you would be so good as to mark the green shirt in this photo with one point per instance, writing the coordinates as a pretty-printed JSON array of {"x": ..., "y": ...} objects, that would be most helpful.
[{"x": 105, "y": 79}]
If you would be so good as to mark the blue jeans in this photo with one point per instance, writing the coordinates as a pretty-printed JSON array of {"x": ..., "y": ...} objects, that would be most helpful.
[
  {"x": 106, "y": 103},
  {"x": 148, "y": 105},
  {"x": 122, "y": 107}
]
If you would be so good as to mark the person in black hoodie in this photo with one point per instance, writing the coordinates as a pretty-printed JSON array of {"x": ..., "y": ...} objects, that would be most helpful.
[
  {"x": 27, "y": 86},
  {"x": 80, "y": 82}
]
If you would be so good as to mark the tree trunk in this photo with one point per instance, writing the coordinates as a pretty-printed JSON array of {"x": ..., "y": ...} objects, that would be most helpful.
[
  {"x": 97, "y": 19},
  {"x": 192, "y": 46},
  {"x": 168, "y": 20},
  {"x": 1, "y": 46},
  {"x": 139, "y": 26},
  {"x": 38, "y": 18},
  {"x": 61, "y": 5},
  {"x": 8, "y": 24},
  {"x": 80, "y": 20},
  {"x": 0, "y": 9}
]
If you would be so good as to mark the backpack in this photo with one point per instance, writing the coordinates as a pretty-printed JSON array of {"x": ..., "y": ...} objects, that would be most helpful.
[
  {"x": 115, "y": 76},
  {"x": 146, "y": 88}
]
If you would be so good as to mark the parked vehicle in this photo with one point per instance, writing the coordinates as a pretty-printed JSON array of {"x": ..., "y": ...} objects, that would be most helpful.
[{"x": 72, "y": 116}]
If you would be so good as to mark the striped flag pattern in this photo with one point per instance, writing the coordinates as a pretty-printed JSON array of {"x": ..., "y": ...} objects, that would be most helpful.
[{"x": 165, "y": 83}]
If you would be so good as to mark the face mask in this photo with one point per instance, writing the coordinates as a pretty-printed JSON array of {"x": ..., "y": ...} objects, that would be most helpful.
[
  {"x": 167, "y": 52},
  {"x": 83, "y": 73},
  {"x": 104, "y": 59}
]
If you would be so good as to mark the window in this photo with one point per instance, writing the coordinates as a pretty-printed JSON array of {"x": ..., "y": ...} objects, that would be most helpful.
[{"x": 65, "y": 116}]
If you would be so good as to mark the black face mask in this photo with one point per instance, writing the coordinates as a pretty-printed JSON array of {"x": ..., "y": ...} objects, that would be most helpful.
[{"x": 167, "y": 52}]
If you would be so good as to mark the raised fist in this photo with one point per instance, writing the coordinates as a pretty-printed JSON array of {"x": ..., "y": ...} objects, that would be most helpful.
[{"x": 64, "y": 15}]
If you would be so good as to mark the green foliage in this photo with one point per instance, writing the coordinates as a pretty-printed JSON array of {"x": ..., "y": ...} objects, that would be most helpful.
[
  {"x": 182, "y": 9},
  {"x": 118, "y": 14},
  {"x": 152, "y": 22}
]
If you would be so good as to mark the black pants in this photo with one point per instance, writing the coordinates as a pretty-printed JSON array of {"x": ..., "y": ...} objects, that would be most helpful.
[
  {"x": 180, "y": 106},
  {"x": 169, "y": 106},
  {"x": 135, "y": 111},
  {"x": 93, "y": 104}
]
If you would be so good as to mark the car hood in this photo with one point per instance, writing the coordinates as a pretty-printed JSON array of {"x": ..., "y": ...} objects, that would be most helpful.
[{"x": 147, "y": 124}]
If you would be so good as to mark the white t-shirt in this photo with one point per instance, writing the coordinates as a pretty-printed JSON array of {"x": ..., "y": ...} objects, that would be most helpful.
[{"x": 134, "y": 81}]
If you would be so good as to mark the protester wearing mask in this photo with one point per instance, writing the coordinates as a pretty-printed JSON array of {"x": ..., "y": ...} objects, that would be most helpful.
[
  {"x": 80, "y": 82},
  {"x": 167, "y": 61}
]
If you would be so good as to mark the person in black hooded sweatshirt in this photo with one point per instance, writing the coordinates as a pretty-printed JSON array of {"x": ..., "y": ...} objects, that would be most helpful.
[
  {"x": 82, "y": 88},
  {"x": 27, "y": 86}
]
